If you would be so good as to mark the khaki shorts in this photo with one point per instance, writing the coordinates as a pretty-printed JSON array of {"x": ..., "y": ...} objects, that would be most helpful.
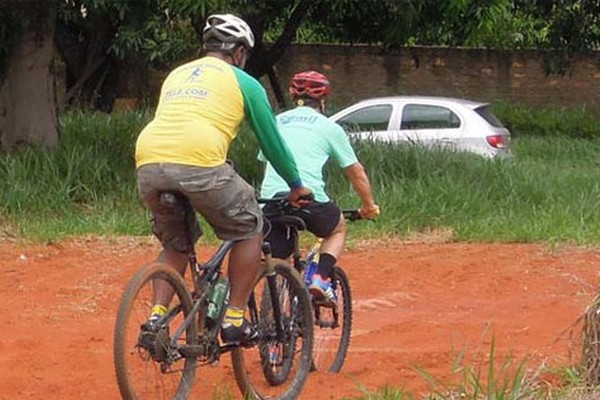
[{"x": 219, "y": 194}]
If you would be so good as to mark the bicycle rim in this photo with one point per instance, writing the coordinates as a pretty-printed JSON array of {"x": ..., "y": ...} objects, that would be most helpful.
[
  {"x": 145, "y": 365},
  {"x": 277, "y": 367},
  {"x": 332, "y": 339}
]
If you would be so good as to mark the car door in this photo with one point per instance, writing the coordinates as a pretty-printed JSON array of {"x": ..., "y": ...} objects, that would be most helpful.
[
  {"x": 372, "y": 121},
  {"x": 431, "y": 125}
]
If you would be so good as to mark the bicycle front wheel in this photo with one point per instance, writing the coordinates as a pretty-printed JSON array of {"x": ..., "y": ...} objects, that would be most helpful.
[
  {"x": 147, "y": 365},
  {"x": 333, "y": 327},
  {"x": 278, "y": 365}
]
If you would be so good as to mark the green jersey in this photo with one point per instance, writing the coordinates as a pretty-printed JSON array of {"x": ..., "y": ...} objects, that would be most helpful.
[{"x": 312, "y": 139}]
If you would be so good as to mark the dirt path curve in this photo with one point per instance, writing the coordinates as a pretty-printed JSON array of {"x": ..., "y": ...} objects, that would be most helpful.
[{"x": 414, "y": 304}]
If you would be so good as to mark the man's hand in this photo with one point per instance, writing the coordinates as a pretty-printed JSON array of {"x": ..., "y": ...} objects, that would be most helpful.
[
  {"x": 300, "y": 196},
  {"x": 369, "y": 212}
]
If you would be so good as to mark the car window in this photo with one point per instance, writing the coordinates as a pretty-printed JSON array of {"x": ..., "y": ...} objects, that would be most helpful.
[
  {"x": 486, "y": 114},
  {"x": 420, "y": 116},
  {"x": 367, "y": 119}
]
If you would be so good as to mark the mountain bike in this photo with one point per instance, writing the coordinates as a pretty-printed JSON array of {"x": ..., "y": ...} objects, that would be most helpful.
[
  {"x": 333, "y": 325},
  {"x": 159, "y": 359}
]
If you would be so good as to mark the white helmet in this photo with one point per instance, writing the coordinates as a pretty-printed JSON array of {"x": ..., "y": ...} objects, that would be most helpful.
[{"x": 228, "y": 29}]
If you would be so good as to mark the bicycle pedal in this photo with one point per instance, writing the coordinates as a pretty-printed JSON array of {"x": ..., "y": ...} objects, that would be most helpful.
[{"x": 192, "y": 350}]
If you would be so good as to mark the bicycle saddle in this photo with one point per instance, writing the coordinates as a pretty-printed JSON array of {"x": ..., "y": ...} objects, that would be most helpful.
[{"x": 288, "y": 220}]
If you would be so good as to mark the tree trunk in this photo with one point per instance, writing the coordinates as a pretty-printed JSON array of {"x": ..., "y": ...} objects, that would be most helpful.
[
  {"x": 263, "y": 60},
  {"x": 28, "y": 111},
  {"x": 85, "y": 91},
  {"x": 276, "y": 86}
]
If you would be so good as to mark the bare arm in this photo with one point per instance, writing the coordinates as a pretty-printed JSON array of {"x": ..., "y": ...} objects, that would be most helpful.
[{"x": 360, "y": 182}]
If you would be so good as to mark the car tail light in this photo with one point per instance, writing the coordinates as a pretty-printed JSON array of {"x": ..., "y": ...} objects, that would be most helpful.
[{"x": 497, "y": 141}]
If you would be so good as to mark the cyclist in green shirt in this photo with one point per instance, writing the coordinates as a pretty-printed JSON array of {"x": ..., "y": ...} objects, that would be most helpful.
[{"x": 313, "y": 140}]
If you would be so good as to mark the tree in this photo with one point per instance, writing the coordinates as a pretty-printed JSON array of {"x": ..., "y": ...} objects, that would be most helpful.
[
  {"x": 107, "y": 46},
  {"x": 574, "y": 28},
  {"x": 27, "y": 96}
]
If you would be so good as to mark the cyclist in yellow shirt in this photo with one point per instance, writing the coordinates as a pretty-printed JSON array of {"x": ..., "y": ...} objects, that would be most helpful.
[{"x": 184, "y": 149}]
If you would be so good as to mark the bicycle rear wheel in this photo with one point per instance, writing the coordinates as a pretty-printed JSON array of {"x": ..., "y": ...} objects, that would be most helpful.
[
  {"x": 147, "y": 367},
  {"x": 333, "y": 327},
  {"x": 278, "y": 365}
]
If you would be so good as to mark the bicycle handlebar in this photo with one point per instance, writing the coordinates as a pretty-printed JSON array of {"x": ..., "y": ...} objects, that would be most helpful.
[{"x": 352, "y": 215}]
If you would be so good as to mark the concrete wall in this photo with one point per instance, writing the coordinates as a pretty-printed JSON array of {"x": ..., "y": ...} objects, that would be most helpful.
[{"x": 359, "y": 72}]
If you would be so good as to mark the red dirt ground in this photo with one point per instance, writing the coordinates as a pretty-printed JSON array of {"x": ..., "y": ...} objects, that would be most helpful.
[{"x": 415, "y": 305}]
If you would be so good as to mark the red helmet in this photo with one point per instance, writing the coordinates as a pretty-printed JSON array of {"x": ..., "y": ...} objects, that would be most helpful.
[{"x": 310, "y": 83}]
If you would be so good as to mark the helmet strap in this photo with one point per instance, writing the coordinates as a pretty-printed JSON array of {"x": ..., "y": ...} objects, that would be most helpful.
[{"x": 239, "y": 56}]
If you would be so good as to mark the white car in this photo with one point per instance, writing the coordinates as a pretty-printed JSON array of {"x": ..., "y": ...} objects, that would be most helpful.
[{"x": 458, "y": 124}]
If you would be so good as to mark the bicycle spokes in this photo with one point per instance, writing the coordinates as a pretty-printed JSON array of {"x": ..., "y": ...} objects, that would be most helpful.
[
  {"x": 277, "y": 366},
  {"x": 147, "y": 362},
  {"x": 333, "y": 328}
]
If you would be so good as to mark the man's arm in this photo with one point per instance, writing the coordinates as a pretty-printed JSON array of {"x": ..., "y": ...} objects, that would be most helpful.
[
  {"x": 360, "y": 182},
  {"x": 260, "y": 116}
]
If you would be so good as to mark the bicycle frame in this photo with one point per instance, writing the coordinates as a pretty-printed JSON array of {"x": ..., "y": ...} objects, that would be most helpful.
[
  {"x": 188, "y": 335},
  {"x": 203, "y": 277}
]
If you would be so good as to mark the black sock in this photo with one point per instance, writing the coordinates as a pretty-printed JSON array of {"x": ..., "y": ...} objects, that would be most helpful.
[{"x": 326, "y": 264}]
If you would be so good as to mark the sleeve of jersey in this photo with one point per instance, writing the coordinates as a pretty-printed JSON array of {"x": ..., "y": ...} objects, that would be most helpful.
[
  {"x": 342, "y": 149},
  {"x": 260, "y": 115}
]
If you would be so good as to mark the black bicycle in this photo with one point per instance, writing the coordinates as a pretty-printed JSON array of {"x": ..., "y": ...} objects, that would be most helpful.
[
  {"x": 159, "y": 359},
  {"x": 333, "y": 324}
]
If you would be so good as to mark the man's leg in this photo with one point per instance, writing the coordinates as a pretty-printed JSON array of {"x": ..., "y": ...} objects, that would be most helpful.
[
  {"x": 331, "y": 249},
  {"x": 168, "y": 225},
  {"x": 228, "y": 204},
  {"x": 325, "y": 220},
  {"x": 163, "y": 292},
  {"x": 244, "y": 265}
]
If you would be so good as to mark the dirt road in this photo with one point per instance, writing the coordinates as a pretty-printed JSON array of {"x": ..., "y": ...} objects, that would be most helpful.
[{"x": 415, "y": 304}]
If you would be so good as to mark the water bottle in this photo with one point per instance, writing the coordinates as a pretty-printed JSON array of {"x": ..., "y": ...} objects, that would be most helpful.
[
  {"x": 216, "y": 301},
  {"x": 310, "y": 271}
]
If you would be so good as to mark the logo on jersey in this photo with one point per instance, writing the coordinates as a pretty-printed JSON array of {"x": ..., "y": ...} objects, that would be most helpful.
[
  {"x": 290, "y": 119},
  {"x": 194, "y": 75}
]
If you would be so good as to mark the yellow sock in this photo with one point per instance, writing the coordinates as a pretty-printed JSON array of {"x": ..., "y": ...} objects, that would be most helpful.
[
  {"x": 234, "y": 316},
  {"x": 159, "y": 310}
]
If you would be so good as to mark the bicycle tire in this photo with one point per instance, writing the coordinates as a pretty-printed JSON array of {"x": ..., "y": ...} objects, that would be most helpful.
[
  {"x": 275, "y": 374},
  {"x": 250, "y": 364},
  {"x": 155, "y": 378},
  {"x": 331, "y": 343}
]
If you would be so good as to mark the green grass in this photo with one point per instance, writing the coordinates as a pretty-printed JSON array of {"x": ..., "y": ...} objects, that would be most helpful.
[
  {"x": 575, "y": 122},
  {"x": 542, "y": 195},
  {"x": 87, "y": 186},
  {"x": 548, "y": 193}
]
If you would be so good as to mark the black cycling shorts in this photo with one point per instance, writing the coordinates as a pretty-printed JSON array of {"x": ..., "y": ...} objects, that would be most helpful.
[{"x": 320, "y": 219}]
